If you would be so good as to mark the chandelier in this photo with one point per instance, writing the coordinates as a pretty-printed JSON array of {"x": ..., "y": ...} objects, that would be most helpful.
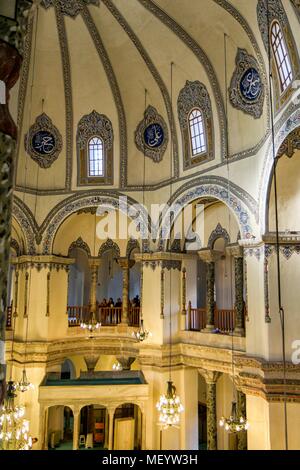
[
  {"x": 170, "y": 407},
  {"x": 234, "y": 423},
  {"x": 90, "y": 325},
  {"x": 141, "y": 334},
  {"x": 23, "y": 385},
  {"x": 117, "y": 366},
  {"x": 14, "y": 430}
]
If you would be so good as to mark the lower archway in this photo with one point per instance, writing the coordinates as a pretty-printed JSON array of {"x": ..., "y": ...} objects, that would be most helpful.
[
  {"x": 93, "y": 429},
  {"x": 127, "y": 427},
  {"x": 60, "y": 428}
]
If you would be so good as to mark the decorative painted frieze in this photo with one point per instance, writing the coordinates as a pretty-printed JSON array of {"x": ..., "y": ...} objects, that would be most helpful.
[
  {"x": 246, "y": 90},
  {"x": 151, "y": 135},
  {"x": 43, "y": 141},
  {"x": 70, "y": 8}
]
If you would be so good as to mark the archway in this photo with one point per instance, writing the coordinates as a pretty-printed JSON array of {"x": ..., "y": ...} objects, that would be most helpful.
[
  {"x": 93, "y": 429},
  {"x": 127, "y": 427},
  {"x": 67, "y": 370},
  {"x": 60, "y": 428}
]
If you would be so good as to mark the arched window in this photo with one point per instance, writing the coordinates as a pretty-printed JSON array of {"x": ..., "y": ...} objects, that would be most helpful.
[
  {"x": 197, "y": 132},
  {"x": 281, "y": 55},
  {"x": 95, "y": 156}
]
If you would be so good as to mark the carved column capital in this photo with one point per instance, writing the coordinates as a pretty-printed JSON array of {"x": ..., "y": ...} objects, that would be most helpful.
[
  {"x": 209, "y": 256},
  {"x": 210, "y": 376},
  {"x": 234, "y": 250}
]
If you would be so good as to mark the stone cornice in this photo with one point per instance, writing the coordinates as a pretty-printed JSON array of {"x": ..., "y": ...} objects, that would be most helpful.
[{"x": 39, "y": 262}]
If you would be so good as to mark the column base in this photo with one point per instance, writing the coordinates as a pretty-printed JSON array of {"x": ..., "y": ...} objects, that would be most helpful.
[
  {"x": 239, "y": 332},
  {"x": 208, "y": 329}
]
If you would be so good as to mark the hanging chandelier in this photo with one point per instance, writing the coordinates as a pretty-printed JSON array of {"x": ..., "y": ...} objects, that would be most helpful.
[
  {"x": 24, "y": 385},
  {"x": 170, "y": 407},
  {"x": 141, "y": 334},
  {"x": 14, "y": 430},
  {"x": 117, "y": 366},
  {"x": 90, "y": 325},
  {"x": 234, "y": 423}
]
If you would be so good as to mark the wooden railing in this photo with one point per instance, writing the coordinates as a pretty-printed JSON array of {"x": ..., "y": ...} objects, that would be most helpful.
[
  {"x": 224, "y": 320},
  {"x": 197, "y": 319},
  {"x": 9, "y": 311},
  {"x": 107, "y": 316}
]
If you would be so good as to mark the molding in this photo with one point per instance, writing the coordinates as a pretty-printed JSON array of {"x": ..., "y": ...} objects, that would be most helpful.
[
  {"x": 250, "y": 98},
  {"x": 15, "y": 246},
  {"x": 290, "y": 144},
  {"x": 66, "y": 67},
  {"x": 94, "y": 33},
  {"x": 70, "y": 8},
  {"x": 151, "y": 116},
  {"x": 81, "y": 244},
  {"x": 135, "y": 40},
  {"x": 25, "y": 219},
  {"x": 43, "y": 123}
]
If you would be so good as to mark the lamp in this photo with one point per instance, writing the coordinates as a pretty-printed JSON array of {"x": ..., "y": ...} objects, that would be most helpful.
[
  {"x": 23, "y": 385},
  {"x": 169, "y": 404},
  {"x": 92, "y": 324},
  {"x": 234, "y": 423},
  {"x": 14, "y": 430},
  {"x": 141, "y": 334}
]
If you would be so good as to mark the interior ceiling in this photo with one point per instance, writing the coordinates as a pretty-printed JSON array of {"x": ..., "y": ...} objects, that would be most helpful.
[{"x": 102, "y": 55}]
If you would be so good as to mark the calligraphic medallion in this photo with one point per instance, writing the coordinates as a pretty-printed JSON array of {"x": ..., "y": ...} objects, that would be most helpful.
[
  {"x": 151, "y": 136},
  {"x": 247, "y": 91},
  {"x": 43, "y": 141}
]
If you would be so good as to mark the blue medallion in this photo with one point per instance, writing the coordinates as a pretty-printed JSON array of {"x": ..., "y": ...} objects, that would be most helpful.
[
  {"x": 43, "y": 142},
  {"x": 154, "y": 135},
  {"x": 250, "y": 84}
]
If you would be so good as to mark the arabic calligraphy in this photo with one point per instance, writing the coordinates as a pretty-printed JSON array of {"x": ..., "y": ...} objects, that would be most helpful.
[
  {"x": 43, "y": 142},
  {"x": 154, "y": 135},
  {"x": 251, "y": 84}
]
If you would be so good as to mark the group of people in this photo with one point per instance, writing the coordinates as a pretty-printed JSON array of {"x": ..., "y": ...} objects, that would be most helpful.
[{"x": 135, "y": 302}]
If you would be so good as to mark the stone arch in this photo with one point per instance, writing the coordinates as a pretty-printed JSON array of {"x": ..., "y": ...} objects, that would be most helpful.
[
  {"x": 132, "y": 244},
  {"x": 243, "y": 206},
  {"x": 289, "y": 122},
  {"x": 28, "y": 225},
  {"x": 109, "y": 245},
  {"x": 104, "y": 199},
  {"x": 79, "y": 243},
  {"x": 218, "y": 232}
]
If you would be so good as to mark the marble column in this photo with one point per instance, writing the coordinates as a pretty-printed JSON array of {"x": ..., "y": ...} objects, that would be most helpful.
[
  {"x": 111, "y": 413},
  {"x": 76, "y": 428},
  {"x": 211, "y": 379},
  {"x": 46, "y": 434},
  {"x": 209, "y": 257},
  {"x": 241, "y": 409},
  {"x": 239, "y": 306},
  {"x": 125, "y": 264},
  {"x": 94, "y": 267}
]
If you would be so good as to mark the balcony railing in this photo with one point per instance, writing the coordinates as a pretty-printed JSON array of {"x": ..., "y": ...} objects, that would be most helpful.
[
  {"x": 224, "y": 320},
  {"x": 107, "y": 316}
]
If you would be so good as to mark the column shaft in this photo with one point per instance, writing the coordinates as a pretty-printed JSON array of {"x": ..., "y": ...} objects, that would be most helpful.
[
  {"x": 241, "y": 407},
  {"x": 211, "y": 416},
  {"x": 76, "y": 427},
  {"x": 111, "y": 429},
  {"x": 239, "y": 329},
  {"x": 210, "y": 300}
]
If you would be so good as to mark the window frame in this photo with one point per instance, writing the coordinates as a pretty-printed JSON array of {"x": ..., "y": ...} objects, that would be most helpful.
[
  {"x": 191, "y": 138},
  {"x": 103, "y": 175},
  {"x": 285, "y": 82}
]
